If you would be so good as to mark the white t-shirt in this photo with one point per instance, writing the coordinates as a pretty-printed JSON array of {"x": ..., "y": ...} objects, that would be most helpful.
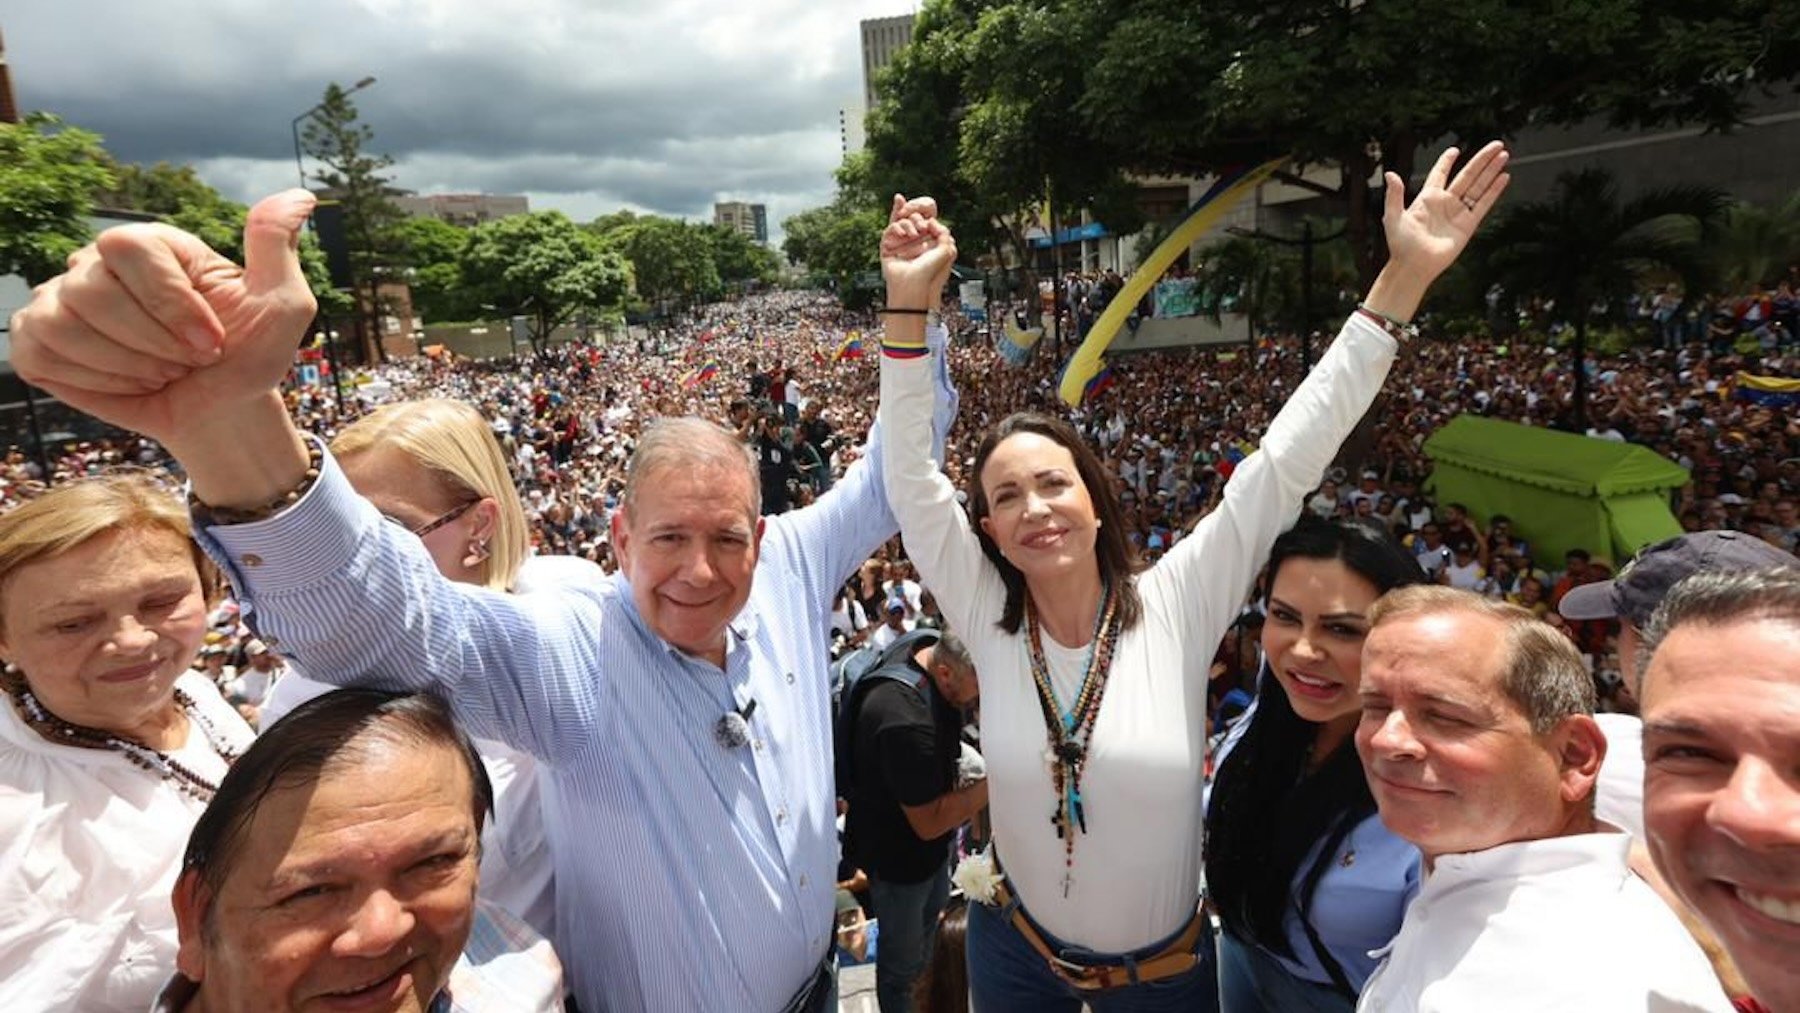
[
  {"x": 1619, "y": 793},
  {"x": 1557, "y": 924}
]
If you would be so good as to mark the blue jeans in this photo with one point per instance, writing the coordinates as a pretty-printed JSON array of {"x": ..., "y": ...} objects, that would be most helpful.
[
  {"x": 1007, "y": 976},
  {"x": 1252, "y": 981},
  {"x": 908, "y": 914}
]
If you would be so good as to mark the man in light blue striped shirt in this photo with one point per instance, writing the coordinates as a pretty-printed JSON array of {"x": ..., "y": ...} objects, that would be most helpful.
[{"x": 681, "y": 708}]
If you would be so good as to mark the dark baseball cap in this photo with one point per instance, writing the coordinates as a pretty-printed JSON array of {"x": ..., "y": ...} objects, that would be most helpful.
[{"x": 1634, "y": 594}]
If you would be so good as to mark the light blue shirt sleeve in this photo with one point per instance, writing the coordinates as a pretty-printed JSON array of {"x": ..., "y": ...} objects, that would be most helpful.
[{"x": 358, "y": 601}]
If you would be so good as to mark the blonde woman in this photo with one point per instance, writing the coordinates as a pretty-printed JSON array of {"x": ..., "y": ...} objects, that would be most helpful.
[
  {"x": 110, "y": 747},
  {"x": 435, "y": 468}
]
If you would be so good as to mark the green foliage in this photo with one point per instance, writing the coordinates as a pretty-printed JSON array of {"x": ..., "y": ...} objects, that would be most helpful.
[
  {"x": 838, "y": 241},
  {"x": 1755, "y": 245},
  {"x": 433, "y": 250},
  {"x": 1066, "y": 91},
  {"x": 352, "y": 176},
  {"x": 543, "y": 266},
  {"x": 48, "y": 174},
  {"x": 738, "y": 258},
  {"x": 671, "y": 260}
]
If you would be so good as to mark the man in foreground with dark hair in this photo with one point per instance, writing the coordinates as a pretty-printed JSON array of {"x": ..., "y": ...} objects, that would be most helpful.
[
  {"x": 1721, "y": 745},
  {"x": 336, "y": 867}
]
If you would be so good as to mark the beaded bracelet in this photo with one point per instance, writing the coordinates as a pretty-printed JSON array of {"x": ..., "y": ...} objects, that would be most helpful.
[
  {"x": 1395, "y": 329},
  {"x": 212, "y": 516}
]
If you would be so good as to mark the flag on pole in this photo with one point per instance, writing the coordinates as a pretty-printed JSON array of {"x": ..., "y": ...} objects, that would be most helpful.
[{"x": 850, "y": 348}]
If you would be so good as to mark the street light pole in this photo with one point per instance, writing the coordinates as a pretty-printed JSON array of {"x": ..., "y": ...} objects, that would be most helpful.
[{"x": 300, "y": 167}]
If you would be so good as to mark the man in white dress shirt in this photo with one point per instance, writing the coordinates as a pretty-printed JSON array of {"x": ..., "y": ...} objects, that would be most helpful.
[{"x": 1480, "y": 747}]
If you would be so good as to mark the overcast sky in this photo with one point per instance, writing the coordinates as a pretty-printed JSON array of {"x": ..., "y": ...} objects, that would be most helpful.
[{"x": 586, "y": 106}]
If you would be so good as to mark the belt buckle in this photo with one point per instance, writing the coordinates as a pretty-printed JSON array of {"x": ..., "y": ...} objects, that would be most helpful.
[{"x": 1083, "y": 976}]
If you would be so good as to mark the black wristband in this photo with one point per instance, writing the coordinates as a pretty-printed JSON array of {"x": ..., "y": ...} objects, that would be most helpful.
[{"x": 909, "y": 311}]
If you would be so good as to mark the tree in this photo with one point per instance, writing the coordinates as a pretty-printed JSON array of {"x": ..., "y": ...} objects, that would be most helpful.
[
  {"x": 1247, "y": 276},
  {"x": 1755, "y": 245},
  {"x": 543, "y": 266},
  {"x": 671, "y": 260},
  {"x": 353, "y": 178},
  {"x": 433, "y": 249},
  {"x": 737, "y": 258},
  {"x": 48, "y": 174},
  {"x": 1585, "y": 248},
  {"x": 840, "y": 242},
  {"x": 999, "y": 79},
  {"x": 1158, "y": 86}
]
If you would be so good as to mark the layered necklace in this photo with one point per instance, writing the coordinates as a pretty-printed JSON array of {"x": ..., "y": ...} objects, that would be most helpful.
[
  {"x": 1070, "y": 729},
  {"x": 155, "y": 761}
]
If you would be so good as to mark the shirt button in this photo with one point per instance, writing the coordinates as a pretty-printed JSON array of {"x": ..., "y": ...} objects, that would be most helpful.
[
  {"x": 790, "y": 678},
  {"x": 252, "y": 559},
  {"x": 781, "y": 816},
  {"x": 758, "y": 745},
  {"x": 803, "y": 882}
]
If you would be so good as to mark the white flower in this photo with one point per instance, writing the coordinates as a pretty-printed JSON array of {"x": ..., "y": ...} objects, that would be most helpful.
[{"x": 977, "y": 878}]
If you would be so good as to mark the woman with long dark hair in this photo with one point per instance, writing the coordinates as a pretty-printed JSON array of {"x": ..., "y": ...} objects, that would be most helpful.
[
  {"x": 1305, "y": 878},
  {"x": 1093, "y": 668}
]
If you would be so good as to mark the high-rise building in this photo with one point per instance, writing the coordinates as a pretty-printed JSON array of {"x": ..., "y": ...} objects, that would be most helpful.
[
  {"x": 9, "y": 107},
  {"x": 464, "y": 209},
  {"x": 750, "y": 219},
  {"x": 881, "y": 39}
]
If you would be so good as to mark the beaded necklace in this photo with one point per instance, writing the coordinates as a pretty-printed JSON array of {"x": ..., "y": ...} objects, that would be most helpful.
[
  {"x": 155, "y": 761},
  {"x": 1070, "y": 729}
]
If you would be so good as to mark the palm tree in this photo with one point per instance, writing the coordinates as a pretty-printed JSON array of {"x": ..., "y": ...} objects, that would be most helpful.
[
  {"x": 1583, "y": 246},
  {"x": 1755, "y": 244}
]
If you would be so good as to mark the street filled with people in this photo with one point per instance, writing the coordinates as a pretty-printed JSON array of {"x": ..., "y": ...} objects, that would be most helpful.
[{"x": 774, "y": 638}]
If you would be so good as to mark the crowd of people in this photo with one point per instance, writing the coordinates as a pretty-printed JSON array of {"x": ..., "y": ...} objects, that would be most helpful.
[{"x": 745, "y": 496}]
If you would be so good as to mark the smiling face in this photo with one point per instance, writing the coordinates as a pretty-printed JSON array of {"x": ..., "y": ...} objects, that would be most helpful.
[
  {"x": 102, "y": 631},
  {"x": 688, "y": 543},
  {"x": 1039, "y": 511},
  {"x": 1722, "y": 789},
  {"x": 352, "y": 893},
  {"x": 1313, "y": 636},
  {"x": 1452, "y": 761}
]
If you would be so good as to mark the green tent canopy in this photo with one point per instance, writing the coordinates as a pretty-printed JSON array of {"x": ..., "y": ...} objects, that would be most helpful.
[{"x": 1562, "y": 491}]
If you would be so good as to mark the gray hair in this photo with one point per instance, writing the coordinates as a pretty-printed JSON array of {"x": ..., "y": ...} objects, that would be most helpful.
[
  {"x": 1718, "y": 598},
  {"x": 953, "y": 651},
  {"x": 1542, "y": 671},
  {"x": 688, "y": 442}
]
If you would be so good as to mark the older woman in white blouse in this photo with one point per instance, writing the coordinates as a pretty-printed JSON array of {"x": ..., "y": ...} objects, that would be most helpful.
[{"x": 109, "y": 746}]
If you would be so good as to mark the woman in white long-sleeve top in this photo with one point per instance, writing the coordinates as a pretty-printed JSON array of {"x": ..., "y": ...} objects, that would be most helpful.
[{"x": 1093, "y": 671}]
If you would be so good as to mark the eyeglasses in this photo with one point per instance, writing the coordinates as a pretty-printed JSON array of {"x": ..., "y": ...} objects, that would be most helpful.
[{"x": 432, "y": 525}]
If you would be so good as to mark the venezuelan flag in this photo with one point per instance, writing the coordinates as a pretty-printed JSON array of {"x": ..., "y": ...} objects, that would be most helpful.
[
  {"x": 1767, "y": 391},
  {"x": 850, "y": 348},
  {"x": 1099, "y": 384},
  {"x": 695, "y": 377}
]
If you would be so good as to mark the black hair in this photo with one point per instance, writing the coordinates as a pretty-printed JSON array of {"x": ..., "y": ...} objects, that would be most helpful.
[
  {"x": 1118, "y": 562},
  {"x": 318, "y": 734},
  {"x": 1266, "y": 813}
]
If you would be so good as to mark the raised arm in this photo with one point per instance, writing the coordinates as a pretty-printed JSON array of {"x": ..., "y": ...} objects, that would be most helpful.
[
  {"x": 152, "y": 331},
  {"x": 1213, "y": 568},
  {"x": 917, "y": 252}
]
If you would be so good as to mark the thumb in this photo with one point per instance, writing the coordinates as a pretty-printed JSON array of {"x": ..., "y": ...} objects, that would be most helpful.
[
  {"x": 898, "y": 206},
  {"x": 1395, "y": 197},
  {"x": 272, "y": 240}
]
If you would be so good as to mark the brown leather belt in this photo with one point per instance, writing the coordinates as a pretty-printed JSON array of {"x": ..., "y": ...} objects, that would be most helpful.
[{"x": 1176, "y": 958}]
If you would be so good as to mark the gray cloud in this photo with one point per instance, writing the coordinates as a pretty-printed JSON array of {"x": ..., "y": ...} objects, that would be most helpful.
[{"x": 586, "y": 105}]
